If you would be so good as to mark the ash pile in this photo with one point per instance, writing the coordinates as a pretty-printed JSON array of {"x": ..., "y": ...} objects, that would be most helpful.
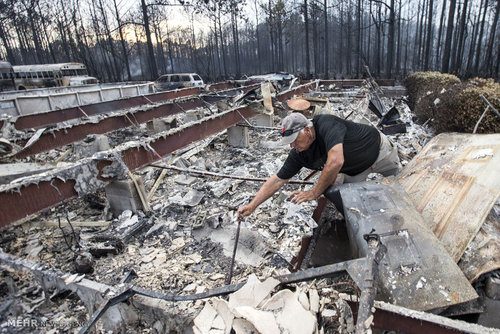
[{"x": 160, "y": 258}]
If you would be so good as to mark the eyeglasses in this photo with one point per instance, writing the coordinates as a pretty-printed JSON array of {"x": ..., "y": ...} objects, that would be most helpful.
[{"x": 289, "y": 132}]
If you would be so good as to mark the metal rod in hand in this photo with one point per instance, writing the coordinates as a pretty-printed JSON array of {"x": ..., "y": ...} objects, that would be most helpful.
[{"x": 229, "y": 277}]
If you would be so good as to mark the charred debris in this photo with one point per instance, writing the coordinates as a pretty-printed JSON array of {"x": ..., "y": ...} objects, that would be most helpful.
[{"x": 124, "y": 219}]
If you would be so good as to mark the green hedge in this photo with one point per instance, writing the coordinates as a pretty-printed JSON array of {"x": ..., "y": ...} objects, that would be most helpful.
[{"x": 451, "y": 104}]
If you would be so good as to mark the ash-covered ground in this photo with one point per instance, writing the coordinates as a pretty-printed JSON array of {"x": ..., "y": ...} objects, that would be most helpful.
[{"x": 184, "y": 244}]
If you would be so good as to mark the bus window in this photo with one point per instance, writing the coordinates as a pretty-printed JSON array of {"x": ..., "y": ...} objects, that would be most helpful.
[
  {"x": 23, "y": 75},
  {"x": 39, "y": 74}
]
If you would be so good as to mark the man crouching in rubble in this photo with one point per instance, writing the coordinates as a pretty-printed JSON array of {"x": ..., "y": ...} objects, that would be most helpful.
[{"x": 332, "y": 145}]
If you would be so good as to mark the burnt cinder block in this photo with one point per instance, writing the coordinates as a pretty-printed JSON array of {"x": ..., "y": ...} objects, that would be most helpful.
[
  {"x": 122, "y": 195},
  {"x": 237, "y": 136}
]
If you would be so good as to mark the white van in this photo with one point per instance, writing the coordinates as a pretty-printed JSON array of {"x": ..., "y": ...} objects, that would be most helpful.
[{"x": 178, "y": 80}]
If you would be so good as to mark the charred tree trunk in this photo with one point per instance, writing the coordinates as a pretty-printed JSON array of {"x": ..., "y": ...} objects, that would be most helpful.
[
  {"x": 153, "y": 70},
  {"x": 45, "y": 34},
  {"x": 8, "y": 49},
  {"x": 470, "y": 56},
  {"x": 415, "y": 42},
  {"x": 358, "y": 39},
  {"x": 488, "y": 70},
  {"x": 122, "y": 42},
  {"x": 398, "y": 49},
  {"x": 259, "y": 60},
  {"x": 480, "y": 39},
  {"x": 327, "y": 46},
  {"x": 390, "y": 40},
  {"x": 429, "y": 36},
  {"x": 461, "y": 39},
  {"x": 109, "y": 39},
  {"x": 449, "y": 36},
  {"x": 34, "y": 30},
  {"x": 314, "y": 19},
  {"x": 440, "y": 33},
  {"x": 306, "y": 23},
  {"x": 222, "y": 43}
]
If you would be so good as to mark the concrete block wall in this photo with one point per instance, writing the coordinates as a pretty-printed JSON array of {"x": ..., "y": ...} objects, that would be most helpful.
[{"x": 262, "y": 120}]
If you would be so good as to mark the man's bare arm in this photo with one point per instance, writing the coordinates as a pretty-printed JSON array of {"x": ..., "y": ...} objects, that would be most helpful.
[
  {"x": 334, "y": 163},
  {"x": 273, "y": 184}
]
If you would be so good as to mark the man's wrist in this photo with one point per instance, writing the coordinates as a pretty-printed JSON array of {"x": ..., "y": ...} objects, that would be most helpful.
[{"x": 315, "y": 193}]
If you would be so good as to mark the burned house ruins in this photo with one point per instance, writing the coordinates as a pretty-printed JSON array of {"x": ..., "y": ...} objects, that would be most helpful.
[{"x": 119, "y": 215}]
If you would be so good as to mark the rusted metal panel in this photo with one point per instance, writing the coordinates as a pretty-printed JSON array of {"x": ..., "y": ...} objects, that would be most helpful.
[
  {"x": 19, "y": 201},
  {"x": 402, "y": 320},
  {"x": 416, "y": 272},
  {"x": 33, "y": 198},
  {"x": 347, "y": 83},
  {"x": 454, "y": 182},
  {"x": 137, "y": 157},
  {"x": 68, "y": 135},
  {"x": 56, "y": 116},
  {"x": 298, "y": 90}
]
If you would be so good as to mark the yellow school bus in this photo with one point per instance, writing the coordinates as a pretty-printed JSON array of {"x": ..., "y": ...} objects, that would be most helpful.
[{"x": 51, "y": 75}]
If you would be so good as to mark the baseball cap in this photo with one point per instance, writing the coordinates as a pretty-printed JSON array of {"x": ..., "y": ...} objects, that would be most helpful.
[{"x": 291, "y": 126}]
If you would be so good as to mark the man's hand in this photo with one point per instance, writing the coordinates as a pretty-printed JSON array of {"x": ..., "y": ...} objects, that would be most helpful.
[
  {"x": 246, "y": 210},
  {"x": 302, "y": 196}
]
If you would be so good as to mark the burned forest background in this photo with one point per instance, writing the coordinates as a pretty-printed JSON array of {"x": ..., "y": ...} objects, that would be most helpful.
[{"x": 122, "y": 40}]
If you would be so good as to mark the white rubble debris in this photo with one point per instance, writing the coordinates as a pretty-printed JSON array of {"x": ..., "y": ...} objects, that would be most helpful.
[{"x": 255, "y": 307}]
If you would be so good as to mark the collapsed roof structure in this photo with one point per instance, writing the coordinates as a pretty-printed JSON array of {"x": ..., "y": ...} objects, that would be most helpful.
[{"x": 83, "y": 221}]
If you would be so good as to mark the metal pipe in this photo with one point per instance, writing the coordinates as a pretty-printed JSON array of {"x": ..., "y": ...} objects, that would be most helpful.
[
  {"x": 226, "y": 176},
  {"x": 376, "y": 251}
]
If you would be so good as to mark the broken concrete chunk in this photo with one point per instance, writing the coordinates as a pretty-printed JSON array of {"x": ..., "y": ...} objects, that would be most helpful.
[
  {"x": 185, "y": 180},
  {"x": 190, "y": 288},
  {"x": 177, "y": 243},
  {"x": 263, "y": 321},
  {"x": 302, "y": 298},
  {"x": 253, "y": 292},
  {"x": 242, "y": 326},
  {"x": 70, "y": 279},
  {"x": 225, "y": 313},
  {"x": 193, "y": 197},
  {"x": 218, "y": 323},
  {"x": 314, "y": 301},
  {"x": 290, "y": 314},
  {"x": 216, "y": 277},
  {"x": 204, "y": 320}
]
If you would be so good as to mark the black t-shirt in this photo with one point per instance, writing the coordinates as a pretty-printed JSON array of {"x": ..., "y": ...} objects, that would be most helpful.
[{"x": 360, "y": 144}]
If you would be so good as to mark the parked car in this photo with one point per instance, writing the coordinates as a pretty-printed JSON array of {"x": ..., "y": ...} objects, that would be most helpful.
[{"x": 178, "y": 80}]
